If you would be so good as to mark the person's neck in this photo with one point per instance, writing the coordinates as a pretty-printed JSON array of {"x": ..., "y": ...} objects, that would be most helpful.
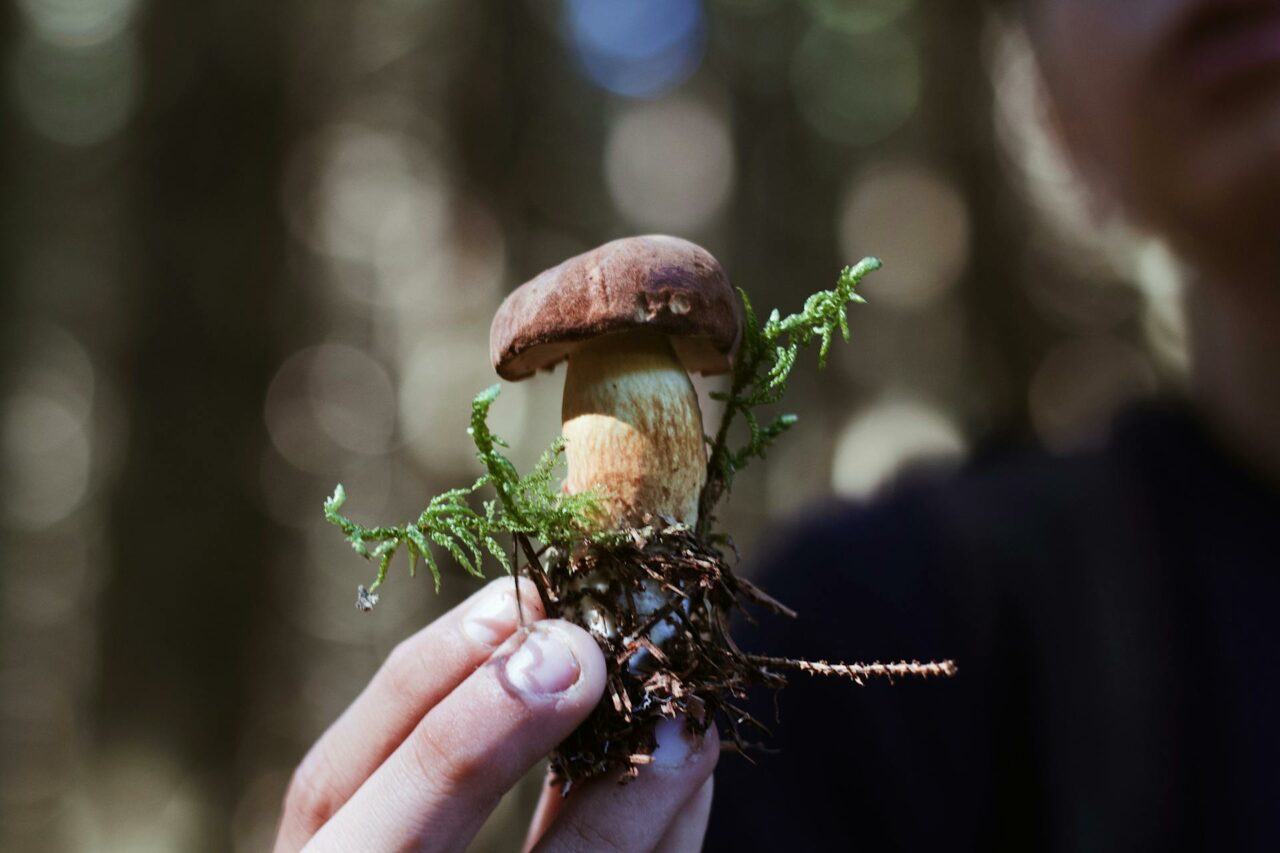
[{"x": 1235, "y": 338}]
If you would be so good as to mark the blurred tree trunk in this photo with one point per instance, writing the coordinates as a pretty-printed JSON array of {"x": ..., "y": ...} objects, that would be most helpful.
[
  {"x": 8, "y": 235},
  {"x": 206, "y": 280},
  {"x": 1008, "y": 336},
  {"x": 9, "y": 202}
]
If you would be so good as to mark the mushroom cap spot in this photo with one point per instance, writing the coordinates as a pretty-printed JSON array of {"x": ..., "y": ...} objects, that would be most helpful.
[{"x": 655, "y": 283}]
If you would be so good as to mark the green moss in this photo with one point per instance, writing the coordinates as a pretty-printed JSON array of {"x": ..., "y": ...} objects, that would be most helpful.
[
  {"x": 531, "y": 506},
  {"x": 760, "y": 372}
]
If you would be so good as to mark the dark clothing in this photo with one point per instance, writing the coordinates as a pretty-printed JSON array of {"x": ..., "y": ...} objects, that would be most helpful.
[{"x": 1114, "y": 618}]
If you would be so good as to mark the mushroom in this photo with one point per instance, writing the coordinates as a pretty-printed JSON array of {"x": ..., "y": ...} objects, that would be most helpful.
[{"x": 633, "y": 318}]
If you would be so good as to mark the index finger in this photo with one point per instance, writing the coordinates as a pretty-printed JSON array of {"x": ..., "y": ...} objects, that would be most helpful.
[
  {"x": 416, "y": 676},
  {"x": 437, "y": 788}
]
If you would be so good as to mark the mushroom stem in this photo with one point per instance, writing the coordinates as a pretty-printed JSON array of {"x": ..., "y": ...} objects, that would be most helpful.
[{"x": 632, "y": 427}]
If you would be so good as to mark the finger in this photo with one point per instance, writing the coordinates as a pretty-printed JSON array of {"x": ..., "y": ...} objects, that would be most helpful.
[
  {"x": 418, "y": 673},
  {"x": 685, "y": 833},
  {"x": 688, "y": 830},
  {"x": 545, "y": 814},
  {"x": 435, "y": 790},
  {"x": 635, "y": 816}
]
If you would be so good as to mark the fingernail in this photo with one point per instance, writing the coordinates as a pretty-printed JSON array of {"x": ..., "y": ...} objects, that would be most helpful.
[
  {"x": 544, "y": 664},
  {"x": 673, "y": 743},
  {"x": 492, "y": 619}
]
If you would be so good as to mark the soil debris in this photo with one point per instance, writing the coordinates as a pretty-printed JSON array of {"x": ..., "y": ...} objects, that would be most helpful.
[{"x": 659, "y": 604}]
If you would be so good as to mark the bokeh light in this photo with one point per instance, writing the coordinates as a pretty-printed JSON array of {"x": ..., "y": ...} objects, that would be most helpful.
[
  {"x": 326, "y": 398},
  {"x": 47, "y": 460},
  {"x": 863, "y": 16},
  {"x": 48, "y": 429},
  {"x": 856, "y": 89},
  {"x": 78, "y": 23},
  {"x": 57, "y": 365},
  {"x": 352, "y": 398},
  {"x": 669, "y": 165},
  {"x": 638, "y": 48},
  {"x": 914, "y": 220},
  {"x": 453, "y": 366},
  {"x": 437, "y": 266},
  {"x": 344, "y": 183},
  {"x": 146, "y": 802},
  {"x": 889, "y": 436},
  {"x": 77, "y": 95}
]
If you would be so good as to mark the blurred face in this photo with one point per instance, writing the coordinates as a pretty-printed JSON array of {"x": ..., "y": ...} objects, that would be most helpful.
[{"x": 1174, "y": 106}]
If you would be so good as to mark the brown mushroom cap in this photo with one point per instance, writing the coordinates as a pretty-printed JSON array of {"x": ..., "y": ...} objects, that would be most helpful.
[{"x": 655, "y": 283}]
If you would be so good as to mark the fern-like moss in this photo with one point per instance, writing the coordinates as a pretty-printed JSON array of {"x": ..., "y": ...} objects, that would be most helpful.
[
  {"x": 763, "y": 365},
  {"x": 531, "y": 506}
]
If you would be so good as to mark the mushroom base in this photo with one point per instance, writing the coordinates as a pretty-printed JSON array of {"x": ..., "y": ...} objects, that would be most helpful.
[{"x": 659, "y": 607}]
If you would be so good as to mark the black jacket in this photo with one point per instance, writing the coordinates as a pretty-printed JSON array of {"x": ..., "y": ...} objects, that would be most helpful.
[{"x": 1116, "y": 619}]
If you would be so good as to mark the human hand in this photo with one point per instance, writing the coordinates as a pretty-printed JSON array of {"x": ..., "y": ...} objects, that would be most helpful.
[{"x": 457, "y": 714}]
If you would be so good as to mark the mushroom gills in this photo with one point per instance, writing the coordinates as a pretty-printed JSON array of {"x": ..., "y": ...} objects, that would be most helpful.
[{"x": 633, "y": 429}]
